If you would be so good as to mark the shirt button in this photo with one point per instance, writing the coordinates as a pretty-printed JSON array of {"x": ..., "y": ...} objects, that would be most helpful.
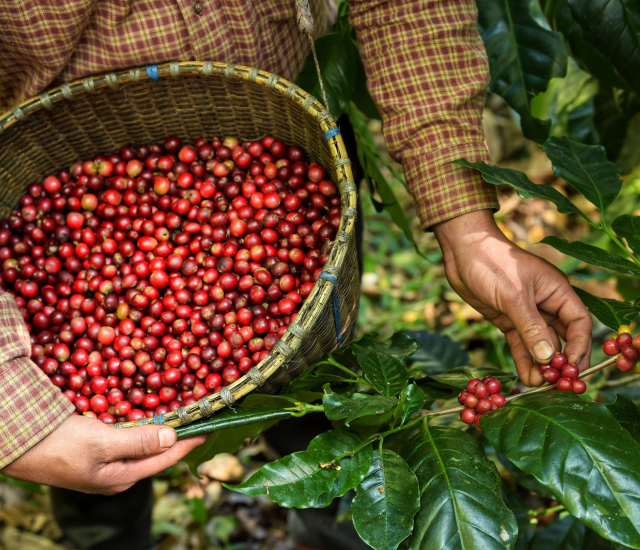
[{"x": 197, "y": 6}]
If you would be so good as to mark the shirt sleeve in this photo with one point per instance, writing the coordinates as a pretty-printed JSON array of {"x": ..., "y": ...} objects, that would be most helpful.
[
  {"x": 31, "y": 407},
  {"x": 427, "y": 71}
]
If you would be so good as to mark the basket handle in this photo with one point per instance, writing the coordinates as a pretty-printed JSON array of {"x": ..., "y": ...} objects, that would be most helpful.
[{"x": 307, "y": 26}]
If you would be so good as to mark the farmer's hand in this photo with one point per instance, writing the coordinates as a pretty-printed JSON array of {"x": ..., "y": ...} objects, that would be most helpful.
[
  {"x": 86, "y": 455},
  {"x": 523, "y": 295}
]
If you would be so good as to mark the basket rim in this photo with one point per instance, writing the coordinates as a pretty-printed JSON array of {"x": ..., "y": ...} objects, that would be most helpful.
[{"x": 323, "y": 288}]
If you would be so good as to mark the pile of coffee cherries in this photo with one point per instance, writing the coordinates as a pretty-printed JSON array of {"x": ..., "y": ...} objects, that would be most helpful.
[
  {"x": 625, "y": 344},
  {"x": 480, "y": 397},
  {"x": 563, "y": 374},
  {"x": 156, "y": 276}
]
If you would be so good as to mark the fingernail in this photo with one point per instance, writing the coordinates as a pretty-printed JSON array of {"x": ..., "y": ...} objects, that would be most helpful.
[
  {"x": 542, "y": 351},
  {"x": 167, "y": 437}
]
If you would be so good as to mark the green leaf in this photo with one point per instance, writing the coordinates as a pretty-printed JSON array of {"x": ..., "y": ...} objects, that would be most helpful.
[
  {"x": 459, "y": 377},
  {"x": 525, "y": 188},
  {"x": 523, "y": 58},
  {"x": 627, "y": 414},
  {"x": 561, "y": 534},
  {"x": 198, "y": 510},
  {"x": 526, "y": 529},
  {"x": 613, "y": 110},
  {"x": 437, "y": 353},
  {"x": 26, "y": 485},
  {"x": 449, "y": 464},
  {"x": 399, "y": 345},
  {"x": 629, "y": 228},
  {"x": 337, "y": 56},
  {"x": 361, "y": 97},
  {"x": 526, "y": 480},
  {"x": 587, "y": 168},
  {"x": 414, "y": 401},
  {"x": 369, "y": 157},
  {"x": 592, "y": 255},
  {"x": 610, "y": 313},
  {"x": 384, "y": 372},
  {"x": 559, "y": 16},
  {"x": 613, "y": 28},
  {"x": 386, "y": 502},
  {"x": 352, "y": 469},
  {"x": 337, "y": 407},
  {"x": 577, "y": 450}
]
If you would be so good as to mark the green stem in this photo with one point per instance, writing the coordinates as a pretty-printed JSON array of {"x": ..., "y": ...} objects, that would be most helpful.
[
  {"x": 547, "y": 512},
  {"x": 304, "y": 408},
  {"x": 358, "y": 379},
  {"x": 622, "y": 247}
]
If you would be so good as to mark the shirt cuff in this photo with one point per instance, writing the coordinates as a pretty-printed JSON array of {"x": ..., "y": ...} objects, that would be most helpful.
[
  {"x": 443, "y": 191},
  {"x": 31, "y": 407}
]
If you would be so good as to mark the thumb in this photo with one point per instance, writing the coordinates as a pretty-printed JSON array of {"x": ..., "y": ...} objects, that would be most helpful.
[
  {"x": 139, "y": 442},
  {"x": 532, "y": 329}
]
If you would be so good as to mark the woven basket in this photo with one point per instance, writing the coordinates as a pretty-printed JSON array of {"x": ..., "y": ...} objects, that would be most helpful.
[{"x": 192, "y": 99}]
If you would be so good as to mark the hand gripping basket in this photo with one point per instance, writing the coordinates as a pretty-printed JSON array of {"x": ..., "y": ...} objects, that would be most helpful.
[{"x": 192, "y": 99}]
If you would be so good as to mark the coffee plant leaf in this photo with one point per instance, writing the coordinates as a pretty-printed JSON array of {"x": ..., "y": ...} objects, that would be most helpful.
[
  {"x": 592, "y": 255},
  {"x": 386, "y": 501},
  {"x": 627, "y": 414},
  {"x": 401, "y": 344},
  {"x": 577, "y": 450},
  {"x": 559, "y": 16},
  {"x": 413, "y": 402},
  {"x": 561, "y": 534},
  {"x": 459, "y": 377},
  {"x": 523, "y": 58},
  {"x": 526, "y": 480},
  {"x": 437, "y": 353},
  {"x": 525, "y": 188},
  {"x": 526, "y": 529},
  {"x": 338, "y": 407},
  {"x": 614, "y": 108},
  {"x": 295, "y": 481},
  {"x": 613, "y": 28},
  {"x": 353, "y": 469},
  {"x": 431, "y": 393},
  {"x": 385, "y": 373},
  {"x": 338, "y": 57},
  {"x": 447, "y": 463},
  {"x": 611, "y": 313},
  {"x": 361, "y": 96},
  {"x": 26, "y": 485},
  {"x": 587, "y": 168},
  {"x": 629, "y": 228}
]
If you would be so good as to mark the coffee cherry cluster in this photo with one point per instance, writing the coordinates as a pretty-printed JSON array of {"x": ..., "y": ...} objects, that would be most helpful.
[
  {"x": 154, "y": 277},
  {"x": 562, "y": 373},
  {"x": 627, "y": 346},
  {"x": 480, "y": 397}
]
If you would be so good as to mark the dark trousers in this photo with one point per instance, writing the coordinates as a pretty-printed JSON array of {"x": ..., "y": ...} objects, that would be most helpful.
[{"x": 123, "y": 521}]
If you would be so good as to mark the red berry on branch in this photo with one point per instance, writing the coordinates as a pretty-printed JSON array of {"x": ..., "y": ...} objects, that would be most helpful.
[
  {"x": 468, "y": 416},
  {"x": 610, "y": 347},
  {"x": 624, "y": 339},
  {"x": 565, "y": 384},
  {"x": 624, "y": 364},
  {"x": 570, "y": 371},
  {"x": 559, "y": 360},
  {"x": 551, "y": 375},
  {"x": 630, "y": 352},
  {"x": 579, "y": 387}
]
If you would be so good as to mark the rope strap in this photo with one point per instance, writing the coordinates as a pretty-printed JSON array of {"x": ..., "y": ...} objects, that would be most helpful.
[
  {"x": 331, "y": 133},
  {"x": 152, "y": 71},
  {"x": 336, "y": 303},
  {"x": 158, "y": 419}
]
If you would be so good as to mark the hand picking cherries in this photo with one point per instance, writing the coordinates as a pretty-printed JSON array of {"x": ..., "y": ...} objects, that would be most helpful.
[
  {"x": 154, "y": 277},
  {"x": 627, "y": 346},
  {"x": 563, "y": 374},
  {"x": 481, "y": 396}
]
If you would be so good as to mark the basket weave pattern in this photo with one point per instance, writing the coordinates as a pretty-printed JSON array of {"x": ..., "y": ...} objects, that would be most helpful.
[{"x": 192, "y": 99}]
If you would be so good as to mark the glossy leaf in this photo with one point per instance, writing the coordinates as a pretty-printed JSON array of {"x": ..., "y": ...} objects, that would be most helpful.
[
  {"x": 525, "y": 188},
  {"x": 613, "y": 110},
  {"x": 437, "y": 352},
  {"x": 414, "y": 401},
  {"x": 561, "y": 534},
  {"x": 338, "y": 57},
  {"x": 629, "y": 228},
  {"x": 526, "y": 529},
  {"x": 523, "y": 57},
  {"x": 337, "y": 406},
  {"x": 577, "y": 450},
  {"x": 627, "y": 414},
  {"x": 592, "y": 255},
  {"x": 386, "y": 502},
  {"x": 369, "y": 157},
  {"x": 613, "y": 28},
  {"x": 352, "y": 469},
  {"x": 610, "y": 313},
  {"x": 459, "y": 377},
  {"x": 454, "y": 513},
  {"x": 587, "y": 168},
  {"x": 385, "y": 372}
]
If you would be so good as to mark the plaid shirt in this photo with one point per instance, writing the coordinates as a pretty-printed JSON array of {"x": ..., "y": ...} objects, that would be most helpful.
[{"x": 426, "y": 66}]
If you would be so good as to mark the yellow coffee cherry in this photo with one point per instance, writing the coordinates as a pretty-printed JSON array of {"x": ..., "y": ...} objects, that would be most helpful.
[{"x": 624, "y": 328}]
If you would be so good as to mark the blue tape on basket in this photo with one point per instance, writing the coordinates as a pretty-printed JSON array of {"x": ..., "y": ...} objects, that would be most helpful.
[
  {"x": 152, "y": 71},
  {"x": 331, "y": 133},
  {"x": 336, "y": 303},
  {"x": 158, "y": 419}
]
